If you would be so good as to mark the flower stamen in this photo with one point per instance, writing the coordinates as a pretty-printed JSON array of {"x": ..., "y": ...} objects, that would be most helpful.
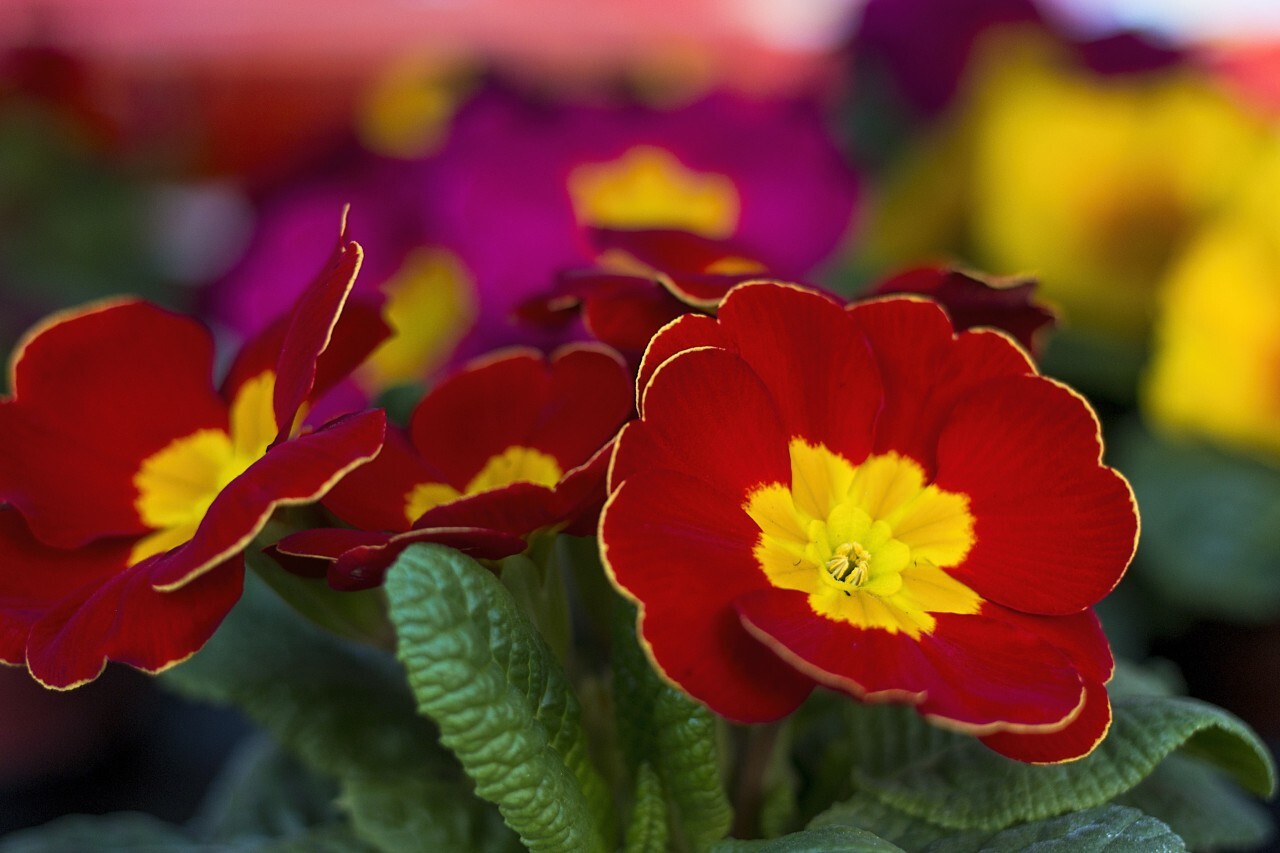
[{"x": 850, "y": 564}]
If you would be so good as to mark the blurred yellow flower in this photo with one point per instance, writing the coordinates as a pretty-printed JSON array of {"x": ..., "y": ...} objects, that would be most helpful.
[
  {"x": 1093, "y": 182},
  {"x": 1215, "y": 369}
]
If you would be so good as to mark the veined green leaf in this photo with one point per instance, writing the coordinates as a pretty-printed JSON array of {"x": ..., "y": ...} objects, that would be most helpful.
[
  {"x": 828, "y": 839},
  {"x": 864, "y": 811},
  {"x": 954, "y": 781},
  {"x": 660, "y": 724},
  {"x": 647, "y": 829},
  {"x": 1105, "y": 829},
  {"x": 1206, "y": 810},
  {"x": 1109, "y": 828},
  {"x": 479, "y": 669}
]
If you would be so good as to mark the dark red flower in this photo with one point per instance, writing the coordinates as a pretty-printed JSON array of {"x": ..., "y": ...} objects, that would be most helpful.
[
  {"x": 976, "y": 301},
  {"x": 643, "y": 280},
  {"x": 511, "y": 445}
]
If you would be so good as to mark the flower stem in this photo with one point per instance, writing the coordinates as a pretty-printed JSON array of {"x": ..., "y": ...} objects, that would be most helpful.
[{"x": 754, "y": 758}]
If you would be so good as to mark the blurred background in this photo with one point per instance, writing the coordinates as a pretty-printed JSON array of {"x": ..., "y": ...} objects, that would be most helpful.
[{"x": 1124, "y": 152}]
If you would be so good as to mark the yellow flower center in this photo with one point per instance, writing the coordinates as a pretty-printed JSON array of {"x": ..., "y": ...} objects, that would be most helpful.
[
  {"x": 177, "y": 484},
  {"x": 513, "y": 465},
  {"x": 868, "y": 543},
  {"x": 647, "y": 187}
]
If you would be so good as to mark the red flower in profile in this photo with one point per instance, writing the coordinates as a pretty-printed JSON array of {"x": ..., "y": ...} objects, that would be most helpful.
[
  {"x": 643, "y": 280},
  {"x": 135, "y": 485},
  {"x": 861, "y": 498},
  {"x": 976, "y": 301},
  {"x": 512, "y": 444}
]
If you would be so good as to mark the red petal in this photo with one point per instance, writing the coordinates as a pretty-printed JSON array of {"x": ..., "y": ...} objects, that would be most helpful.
[
  {"x": 309, "y": 553},
  {"x": 628, "y": 317},
  {"x": 568, "y": 408},
  {"x": 517, "y": 509},
  {"x": 690, "y": 331},
  {"x": 683, "y": 259},
  {"x": 95, "y": 392},
  {"x": 1079, "y": 636},
  {"x": 590, "y": 397},
  {"x": 1026, "y": 452},
  {"x": 975, "y": 301},
  {"x": 298, "y": 471},
  {"x": 816, "y": 365},
  {"x": 492, "y": 404},
  {"x": 126, "y": 620},
  {"x": 1077, "y": 740},
  {"x": 971, "y": 672},
  {"x": 311, "y": 327},
  {"x": 365, "y": 566},
  {"x": 684, "y": 553},
  {"x": 374, "y": 496},
  {"x": 36, "y": 577},
  {"x": 925, "y": 369},
  {"x": 581, "y": 494},
  {"x": 708, "y": 415}
]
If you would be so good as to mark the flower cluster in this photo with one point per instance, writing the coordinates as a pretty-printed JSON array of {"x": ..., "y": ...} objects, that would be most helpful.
[{"x": 862, "y": 497}]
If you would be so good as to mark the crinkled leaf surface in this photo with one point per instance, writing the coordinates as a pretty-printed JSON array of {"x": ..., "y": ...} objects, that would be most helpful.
[
  {"x": 660, "y": 724},
  {"x": 954, "y": 781},
  {"x": 479, "y": 669},
  {"x": 647, "y": 828}
]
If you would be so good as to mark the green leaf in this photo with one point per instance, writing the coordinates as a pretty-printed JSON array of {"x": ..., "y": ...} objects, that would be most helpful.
[
  {"x": 1211, "y": 526},
  {"x": 828, "y": 839},
  {"x": 1207, "y": 811},
  {"x": 954, "y": 781},
  {"x": 359, "y": 616},
  {"x": 864, "y": 811},
  {"x": 263, "y": 792},
  {"x": 125, "y": 832},
  {"x": 338, "y": 705},
  {"x": 343, "y": 708},
  {"x": 408, "y": 814},
  {"x": 504, "y": 707},
  {"x": 660, "y": 724},
  {"x": 647, "y": 829},
  {"x": 1110, "y": 828},
  {"x": 1105, "y": 829},
  {"x": 540, "y": 592}
]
